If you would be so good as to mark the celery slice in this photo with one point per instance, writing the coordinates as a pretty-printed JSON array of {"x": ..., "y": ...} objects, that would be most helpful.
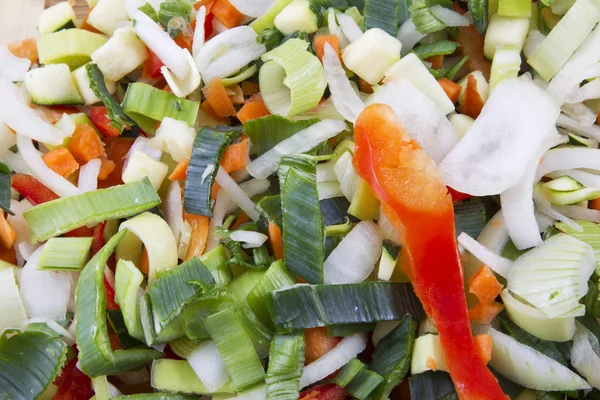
[
  {"x": 73, "y": 47},
  {"x": 60, "y": 216},
  {"x": 68, "y": 254},
  {"x": 505, "y": 65},
  {"x": 515, "y": 8},
  {"x": 267, "y": 20}
]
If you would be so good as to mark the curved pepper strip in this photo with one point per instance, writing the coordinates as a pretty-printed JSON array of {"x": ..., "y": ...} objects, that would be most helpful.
[
  {"x": 95, "y": 354},
  {"x": 416, "y": 201}
]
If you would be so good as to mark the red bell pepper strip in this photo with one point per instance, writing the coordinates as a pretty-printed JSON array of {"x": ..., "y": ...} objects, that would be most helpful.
[
  {"x": 101, "y": 120},
  {"x": 324, "y": 392},
  {"x": 152, "y": 66},
  {"x": 32, "y": 189},
  {"x": 73, "y": 384},
  {"x": 416, "y": 201},
  {"x": 458, "y": 196}
]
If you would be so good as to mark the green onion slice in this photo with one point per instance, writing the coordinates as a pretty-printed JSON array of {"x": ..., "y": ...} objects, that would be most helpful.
[
  {"x": 286, "y": 363},
  {"x": 267, "y": 131},
  {"x": 292, "y": 80},
  {"x": 70, "y": 253},
  {"x": 117, "y": 117},
  {"x": 95, "y": 355},
  {"x": 306, "y": 306},
  {"x": 65, "y": 214},
  {"x": 73, "y": 47}
]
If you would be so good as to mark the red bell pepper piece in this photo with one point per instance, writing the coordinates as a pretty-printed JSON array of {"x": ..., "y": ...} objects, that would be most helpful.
[
  {"x": 100, "y": 119},
  {"x": 416, "y": 201},
  {"x": 32, "y": 189},
  {"x": 324, "y": 392},
  {"x": 111, "y": 304},
  {"x": 458, "y": 196},
  {"x": 73, "y": 384},
  {"x": 152, "y": 66}
]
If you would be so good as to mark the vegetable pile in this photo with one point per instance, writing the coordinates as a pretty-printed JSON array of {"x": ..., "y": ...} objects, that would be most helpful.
[{"x": 302, "y": 199}]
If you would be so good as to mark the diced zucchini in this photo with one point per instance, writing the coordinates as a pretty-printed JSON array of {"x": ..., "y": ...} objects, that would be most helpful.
[
  {"x": 364, "y": 205},
  {"x": 52, "y": 85},
  {"x": 504, "y": 31},
  {"x": 140, "y": 165},
  {"x": 482, "y": 87},
  {"x": 563, "y": 184},
  {"x": 174, "y": 137},
  {"x": 461, "y": 123},
  {"x": 428, "y": 355},
  {"x": 372, "y": 54},
  {"x": 82, "y": 80},
  {"x": 560, "y": 7},
  {"x": 57, "y": 17},
  {"x": 106, "y": 14},
  {"x": 426, "y": 327},
  {"x": 506, "y": 64},
  {"x": 389, "y": 255},
  {"x": 123, "y": 53},
  {"x": 70, "y": 46},
  {"x": 297, "y": 16},
  {"x": 570, "y": 197},
  {"x": 576, "y": 140}
]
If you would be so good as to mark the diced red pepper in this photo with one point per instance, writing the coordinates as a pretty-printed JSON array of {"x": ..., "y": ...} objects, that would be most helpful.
[
  {"x": 208, "y": 25},
  {"x": 73, "y": 384},
  {"x": 111, "y": 304},
  {"x": 99, "y": 117},
  {"x": 98, "y": 241},
  {"x": 32, "y": 189},
  {"x": 328, "y": 391},
  {"x": 458, "y": 196},
  {"x": 152, "y": 66},
  {"x": 416, "y": 201}
]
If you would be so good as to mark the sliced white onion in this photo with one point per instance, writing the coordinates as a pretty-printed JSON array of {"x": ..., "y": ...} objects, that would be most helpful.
[
  {"x": 334, "y": 29},
  {"x": 567, "y": 122},
  {"x": 198, "y": 40},
  {"x": 88, "y": 175},
  {"x": 51, "y": 179},
  {"x": 144, "y": 145},
  {"x": 45, "y": 294},
  {"x": 333, "y": 360},
  {"x": 578, "y": 212},
  {"x": 449, "y": 17},
  {"x": 346, "y": 175},
  {"x": 585, "y": 178},
  {"x": 569, "y": 158},
  {"x": 349, "y": 27},
  {"x": 544, "y": 221},
  {"x": 409, "y": 36},
  {"x": 15, "y": 161},
  {"x": 252, "y": 188},
  {"x": 544, "y": 206},
  {"x": 498, "y": 264},
  {"x": 300, "y": 142},
  {"x": 585, "y": 355},
  {"x": 190, "y": 82},
  {"x": 66, "y": 125},
  {"x": 17, "y": 115},
  {"x": 222, "y": 203},
  {"x": 207, "y": 363},
  {"x": 161, "y": 44},
  {"x": 493, "y": 155},
  {"x": 173, "y": 209},
  {"x": 353, "y": 260},
  {"x": 326, "y": 172},
  {"x": 251, "y": 239},
  {"x": 23, "y": 245},
  {"x": 494, "y": 234},
  {"x": 586, "y": 92},
  {"x": 236, "y": 194},
  {"x": 580, "y": 113},
  {"x": 344, "y": 97},
  {"x": 228, "y": 52},
  {"x": 7, "y": 139},
  {"x": 252, "y": 8},
  {"x": 11, "y": 66},
  {"x": 329, "y": 189},
  {"x": 421, "y": 118}
]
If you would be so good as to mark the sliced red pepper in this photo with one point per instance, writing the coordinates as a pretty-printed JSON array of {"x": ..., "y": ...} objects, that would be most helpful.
[
  {"x": 73, "y": 384},
  {"x": 458, "y": 196},
  {"x": 324, "y": 392},
  {"x": 152, "y": 66},
  {"x": 111, "y": 304},
  {"x": 416, "y": 201},
  {"x": 101, "y": 120},
  {"x": 32, "y": 189},
  {"x": 98, "y": 241}
]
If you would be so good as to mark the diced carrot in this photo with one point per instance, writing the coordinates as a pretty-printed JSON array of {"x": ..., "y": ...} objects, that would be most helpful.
[
  {"x": 85, "y": 25},
  {"x": 144, "y": 266},
  {"x": 239, "y": 221},
  {"x": 594, "y": 204},
  {"x": 180, "y": 171},
  {"x": 235, "y": 157},
  {"x": 320, "y": 41},
  {"x": 25, "y": 49},
  {"x": 61, "y": 161},
  {"x": 199, "y": 235},
  {"x": 473, "y": 103},
  {"x": 214, "y": 190},
  {"x": 226, "y": 12},
  {"x": 483, "y": 343},
  {"x": 250, "y": 88},
  {"x": 275, "y": 240},
  {"x": 318, "y": 344},
  {"x": 235, "y": 94},
  {"x": 7, "y": 233},
  {"x": 364, "y": 86},
  {"x": 452, "y": 89},
  {"x": 217, "y": 97},
  {"x": 484, "y": 285},
  {"x": 471, "y": 44},
  {"x": 206, "y": 107},
  {"x": 431, "y": 364},
  {"x": 184, "y": 41},
  {"x": 54, "y": 113},
  {"x": 8, "y": 255},
  {"x": 436, "y": 61},
  {"x": 85, "y": 144},
  {"x": 485, "y": 313},
  {"x": 106, "y": 168},
  {"x": 117, "y": 149},
  {"x": 252, "y": 109}
]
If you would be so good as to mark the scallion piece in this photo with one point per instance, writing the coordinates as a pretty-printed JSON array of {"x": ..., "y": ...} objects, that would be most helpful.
[
  {"x": 306, "y": 306},
  {"x": 146, "y": 105},
  {"x": 95, "y": 355},
  {"x": 117, "y": 117},
  {"x": 209, "y": 145},
  {"x": 5, "y": 182},
  {"x": 270, "y": 208},
  {"x": 292, "y": 80},
  {"x": 382, "y": 14},
  {"x": 65, "y": 214},
  {"x": 234, "y": 344},
  {"x": 267, "y": 131},
  {"x": 286, "y": 363},
  {"x": 73, "y": 47},
  {"x": 69, "y": 253},
  {"x": 303, "y": 230}
]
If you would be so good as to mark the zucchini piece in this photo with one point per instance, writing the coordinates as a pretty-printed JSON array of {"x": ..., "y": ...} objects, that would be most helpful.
[
  {"x": 52, "y": 85},
  {"x": 83, "y": 83},
  {"x": 428, "y": 355},
  {"x": 106, "y": 14},
  {"x": 365, "y": 205},
  {"x": 576, "y": 140},
  {"x": 389, "y": 257},
  {"x": 124, "y": 46},
  {"x": 461, "y": 123},
  {"x": 504, "y": 31},
  {"x": 73, "y": 47},
  {"x": 298, "y": 16},
  {"x": 563, "y": 184},
  {"x": 58, "y": 17}
]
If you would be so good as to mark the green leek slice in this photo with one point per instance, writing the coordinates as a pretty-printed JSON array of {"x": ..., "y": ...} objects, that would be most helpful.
[
  {"x": 117, "y": 117},
  {"x": 267, "y": 131},
  {"x": 29, "y": 362},
  {"x": 303, "y": 243},
  {"x": 348, "y": 372},
  {"x": 128, "y": 280},
  {"x": 63, "y": 215},
  {"x": 363, "y": 384},
  {"x": 344, "y": 330},
  {"x": 95, "y": 355},
  {"x": 154, "y": 396},
  {"x": 216, "y": 262},
  {"x": 514, "y": 8},
  {"x": 439, "y": 48},
  {"x": 73, "y": 47},
  {"x": 470, "y": 218},
  {"x": 592, "y": 298},
  {"x": 178, "y": 376},
  {"x": 69, "y": 254},
  {"x": 13, "y": 313},
  {"x": 292, "y": 80},
  {"x": 479, "y": 14},
  {"x": 209, "y": 145},
  {"x": 383, "y": 14},
  {"x": 117, "y": 323},
  {"x": 306, "y": 306},
  {"x": 239, "y": 77},
  {"x": 5, "y": 182},
  {"x": 424, "y": 19},
  {"x": 146, "y": 105},
  {"x": 286, "y": 363},
  {"x": 432, "y": 385}
]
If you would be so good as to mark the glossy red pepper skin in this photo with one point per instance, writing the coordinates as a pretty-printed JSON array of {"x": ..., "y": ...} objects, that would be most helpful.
[
  {"x": 100, "y": 119},
  {"x": 32, "y": 189},
  {"x": 324, "y": 392},
  {"x": 417, "y": 203},
  {"x": 73, "y": 384}
]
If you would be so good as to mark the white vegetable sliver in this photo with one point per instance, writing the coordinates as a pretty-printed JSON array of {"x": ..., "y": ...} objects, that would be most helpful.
[
  {"x": 198, "y": 40},
  {"x": 349, "y": 27},
  {"x": 190, "y": 82},
  {"x": 173, "y": 209},
  {"x": 585, "y": 355},
  {"x": 251, "y": 239},
  {"x": 588, "y": 91},
  {"x": 23, "y": 245},
  {"x": 88, "y": 175},
  {"x": 252, "y": 188},
  {"x": 346, "y": 175},
  {"x": 567, "y": 122},
  {"x": 497, "y": 263},
  {"x": 449, "y": 17},
  {"x": 544, "y": 206},
  {"x": 494, "y": 234},
  {"x": 252, "y": 8},
  {"x": 409, "y": 36},
  {"x": 207, "y": 363},
  {"x": 578, "y": 212},
  {"x": 329, "y": 189},
  {"x": 15, "y": 161},
  {"x": 236, "y": 194},
  {"x": 569, "y": 158},
  {"x": 219, "y": 212},
  {"x": 11, "y": 66},
  {"x": 580, "y": 113}
]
